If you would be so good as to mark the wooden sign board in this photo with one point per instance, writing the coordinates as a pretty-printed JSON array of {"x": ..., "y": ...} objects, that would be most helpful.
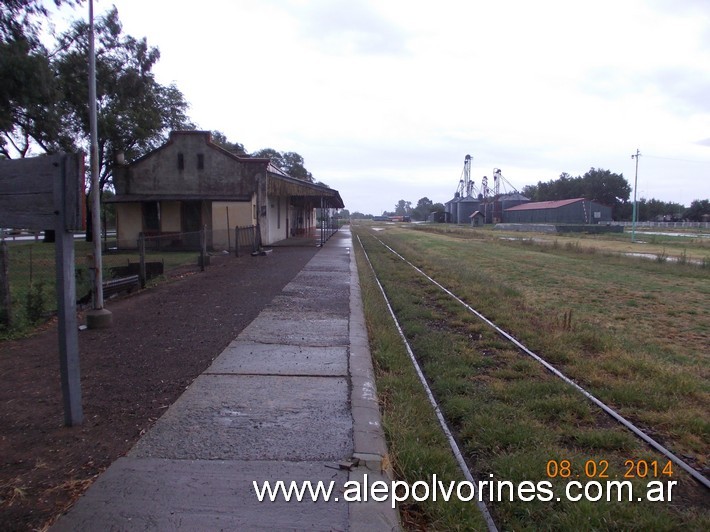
[
  {"x": 34, "y": 192},
  {"x": 47, "y": 192}
]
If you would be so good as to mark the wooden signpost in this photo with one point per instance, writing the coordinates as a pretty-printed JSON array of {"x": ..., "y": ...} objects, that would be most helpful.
[{"x": 42, "y": 193}]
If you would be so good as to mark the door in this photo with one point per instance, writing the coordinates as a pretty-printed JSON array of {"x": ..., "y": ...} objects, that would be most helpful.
[{"x": 191, "y": 223}]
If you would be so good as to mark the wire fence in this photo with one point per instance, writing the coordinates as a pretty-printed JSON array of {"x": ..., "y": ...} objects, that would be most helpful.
[
  {"x": 667, "y": 225},
  {"x": 28, "y": 294},
  {"x": 28, "y": 270}
]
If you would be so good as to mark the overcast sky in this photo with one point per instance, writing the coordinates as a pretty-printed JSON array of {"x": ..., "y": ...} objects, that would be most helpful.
[{"x": 384, "y": 99}]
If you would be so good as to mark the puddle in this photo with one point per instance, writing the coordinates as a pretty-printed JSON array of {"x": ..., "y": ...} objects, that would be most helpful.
[{"x": 689, "y": 235}]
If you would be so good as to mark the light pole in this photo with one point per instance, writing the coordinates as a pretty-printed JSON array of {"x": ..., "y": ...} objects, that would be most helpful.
[
  {"x": 633, "y": 213},
  {"x": 98, "y": 317}
]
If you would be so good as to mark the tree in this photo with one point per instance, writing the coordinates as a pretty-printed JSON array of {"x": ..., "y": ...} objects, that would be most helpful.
[
  {"x": 28, "y": 90},
  {"x": 135, "y": 112},
  {"x": 289, "y": 162},
  {"x": 221, "y": 139},
  {"x": 657, "y": 210},
  {"x": 698, "y": 210},
  {"x": 605, "y": 187},
  {"x": 22, "y": 19},
  {"x": 597, "y": 185},
  {"x": 403, "y": 208},
  {"x": 423, "y": 208},
  {"x": 29, "y": 97}
]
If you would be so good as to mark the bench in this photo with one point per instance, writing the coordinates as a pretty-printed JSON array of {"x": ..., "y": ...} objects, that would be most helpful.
[
  {"x": 121, "y": 284},
  {"x": 152, "y": 269}
]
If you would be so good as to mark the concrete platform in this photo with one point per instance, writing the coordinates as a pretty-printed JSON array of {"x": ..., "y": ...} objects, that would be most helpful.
[{"x": 292, "y": 398}]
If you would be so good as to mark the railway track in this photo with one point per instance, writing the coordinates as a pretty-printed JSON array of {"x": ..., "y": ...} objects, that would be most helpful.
[{"x": 635, "y": 430}]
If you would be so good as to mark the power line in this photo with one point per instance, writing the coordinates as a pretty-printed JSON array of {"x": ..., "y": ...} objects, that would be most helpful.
[{"x": 674, "y": 159}]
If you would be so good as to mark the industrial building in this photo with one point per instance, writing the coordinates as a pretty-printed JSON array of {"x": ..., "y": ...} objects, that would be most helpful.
[
  {"x": 569, "y": 211},
  {"x": 497, "y": 205},
  {"x": 490, "y": 202}
]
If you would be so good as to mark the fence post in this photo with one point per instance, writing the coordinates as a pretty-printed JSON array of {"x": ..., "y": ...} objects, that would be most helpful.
[
  {"x": 256, "y": 242},
  {"x": 141, "y": 254},
  {"x": 5, "y": 299},
  {"x": 236, "y": 241},
  {"x": 229, "y": 236},
  {"x": 203, "y": 247}
]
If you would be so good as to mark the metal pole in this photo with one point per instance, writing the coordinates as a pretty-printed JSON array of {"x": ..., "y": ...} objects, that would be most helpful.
[
  {"x": 229, "y": 234},
  {"x": 633, "y": 214},
  {"x": 98, "y": 317}
]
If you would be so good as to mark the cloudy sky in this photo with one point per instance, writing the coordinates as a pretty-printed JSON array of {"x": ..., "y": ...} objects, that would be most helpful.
[{"x": 385, "y": 98}]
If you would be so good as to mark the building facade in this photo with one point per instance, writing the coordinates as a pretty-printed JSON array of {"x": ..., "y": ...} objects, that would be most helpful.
[
  {"x": 570, "y": 211},
  {"x": 191, "y": 183}
]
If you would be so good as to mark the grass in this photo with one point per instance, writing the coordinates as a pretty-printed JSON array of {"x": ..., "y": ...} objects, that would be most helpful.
[
  {"x": 509, "y": 415},
  {"x": 32, "y": 278}
]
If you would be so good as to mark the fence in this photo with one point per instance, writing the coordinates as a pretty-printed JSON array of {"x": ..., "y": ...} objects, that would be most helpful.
[
  {"x": 28, "y": 276},
  {"x": 247, "y": 239},
  {"x": 27, "y": 267},
  {"x": 669, "y": 225},
  {"x": 328, "y": 227}
]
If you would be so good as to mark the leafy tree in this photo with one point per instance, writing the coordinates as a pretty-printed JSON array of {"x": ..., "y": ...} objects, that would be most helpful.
[
  {"x": 403, "y": 208},
  {"x": 135, "y": 112},
  {"x": 22, "y": 19},
  {"x": 28, "y": 89},
  {"x": 597, "y": 184},
  {"x": 423, "y": 208},
  {"x": 605, "y": 187},
  {"x": 289, "y": 162},
  {"x": 657, "y": 210},
  {"x": 221, "y": 139},
  {"x": 697, "y": 210},
  {"x": 29, "y": 111}
]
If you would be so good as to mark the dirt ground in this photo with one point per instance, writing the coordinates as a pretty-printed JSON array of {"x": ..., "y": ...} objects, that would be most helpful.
[{"x": 163, "y": 337}]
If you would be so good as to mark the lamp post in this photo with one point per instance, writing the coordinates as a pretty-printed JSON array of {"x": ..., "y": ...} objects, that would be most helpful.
[
  {"x": 98, "y": 317},
  {"x": 633, "y": 213}
]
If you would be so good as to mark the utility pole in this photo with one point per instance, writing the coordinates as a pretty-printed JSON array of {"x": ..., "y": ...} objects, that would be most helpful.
[
  {"x": 98, "y": 317},
  {"x": 634, "y": 213}
]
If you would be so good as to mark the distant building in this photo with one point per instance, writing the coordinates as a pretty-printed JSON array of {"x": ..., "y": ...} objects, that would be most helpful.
[
  {"x": 451, "y": 208},
  {"x": 439, "y": 217},
  {"x": 569, "y": 211},
  {"x": 465, "y": 207},
  {"x": 477, "y": 219}
]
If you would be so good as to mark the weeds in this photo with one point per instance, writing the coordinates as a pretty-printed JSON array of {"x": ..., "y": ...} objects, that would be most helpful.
[{"x": 35, "y": 303}]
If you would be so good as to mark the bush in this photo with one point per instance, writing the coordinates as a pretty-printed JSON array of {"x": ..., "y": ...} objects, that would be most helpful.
[{"x": 34, "y": 303}]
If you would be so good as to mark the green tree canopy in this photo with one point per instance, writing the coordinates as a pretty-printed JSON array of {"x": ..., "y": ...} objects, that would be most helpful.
[
  {"x": 597, "y": 184},
  {"x": 698, "y": 211},
  {"x": 51, "y": 111},
  {"x": 403, "y": 208},
  {"x": 423, "y": 208},
  {"x": 28, "y": 90},
  {"x": 135, "y": 112},
  {"x": 289, "y": 162},
  {"x": 221, "y": 139}
]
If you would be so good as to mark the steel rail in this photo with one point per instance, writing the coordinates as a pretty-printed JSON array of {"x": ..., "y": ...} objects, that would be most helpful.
[
  {"x": 618, "y": 417},
  {"x": 432, "y": 400}
]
